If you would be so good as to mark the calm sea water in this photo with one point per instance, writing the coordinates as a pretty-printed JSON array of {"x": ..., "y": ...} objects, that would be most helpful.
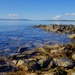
[{"x": 15, "y": 34}]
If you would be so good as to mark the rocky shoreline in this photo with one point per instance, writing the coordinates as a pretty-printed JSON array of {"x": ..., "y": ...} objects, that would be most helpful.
[
  {"x": 47, "y": 60},
  {"x": 55, "y": 59},
  {"x": 62, "y": 28}
]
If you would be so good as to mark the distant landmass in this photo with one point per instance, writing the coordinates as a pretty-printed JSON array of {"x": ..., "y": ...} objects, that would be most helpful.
[
  {"x": 60, "y": 20},
  {"x": 15, "y": 19},
  {"x": 31, "y": 20}
]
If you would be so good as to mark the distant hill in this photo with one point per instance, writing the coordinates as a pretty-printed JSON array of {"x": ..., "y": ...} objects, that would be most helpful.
[
  {"x": 59, "y": 20},
  {"x": 15, "y": 19}
]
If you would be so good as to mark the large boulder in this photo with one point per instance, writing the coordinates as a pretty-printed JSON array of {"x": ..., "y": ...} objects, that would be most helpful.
[{"x": 63, "y": 62}]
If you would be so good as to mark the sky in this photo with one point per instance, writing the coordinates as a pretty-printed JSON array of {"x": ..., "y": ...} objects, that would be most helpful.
[{"x": 37, "y": 9}]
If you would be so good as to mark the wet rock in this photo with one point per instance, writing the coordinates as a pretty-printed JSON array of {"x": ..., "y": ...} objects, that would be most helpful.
[
  {"x": 21, "y": 50},
  {"x": 20, "y": 56},
  {"x": 63, "y": 62}
]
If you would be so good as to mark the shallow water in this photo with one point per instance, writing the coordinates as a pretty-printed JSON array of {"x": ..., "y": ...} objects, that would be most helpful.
[{"x": 15, "y": 34}]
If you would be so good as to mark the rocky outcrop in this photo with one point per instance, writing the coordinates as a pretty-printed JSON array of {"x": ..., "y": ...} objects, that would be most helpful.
[
  {"x": 63, "y": 29},
  {"x": 47, "y": 60}
]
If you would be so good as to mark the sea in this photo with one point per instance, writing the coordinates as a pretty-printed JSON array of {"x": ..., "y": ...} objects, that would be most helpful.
[{"x": 21, "y": 34}]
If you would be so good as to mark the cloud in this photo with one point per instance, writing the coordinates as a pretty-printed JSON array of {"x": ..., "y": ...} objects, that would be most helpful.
[
  {"x": 70, "y": 14},
  {"x": 12, "y": 15},
  {"x": 57, "y": 17}
]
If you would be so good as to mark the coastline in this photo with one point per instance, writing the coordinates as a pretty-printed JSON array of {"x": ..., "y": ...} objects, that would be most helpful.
[
  {"x": 55, "y": 28},
  {"x": 55, "y": 59}
]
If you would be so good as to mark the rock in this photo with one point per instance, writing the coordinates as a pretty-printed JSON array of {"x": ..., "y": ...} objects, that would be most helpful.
[
  {"x": 41, "y": 60},
  {"x": 47, "y": 73},
  {"x": 72, "y": 36},
  {"x": 31, "y": 74},
  {"x": 20, "y": 62},
  {"x": 51, "y": 64},
  {"x": 56, "y": 46},
  {"x": 63, "y": 62},
  {"x": 14, "y": 61},
  {"x": 45, "y": 62},
  {"x": 73, "y": 56},
  {"x": 23, "y": 67},
  {"x": 21, "y": 50},
  {"x": 33, "y": 65},
  {"x": 5, "y": 66},
  {"x": 20, "y": 56},
  {"x": 41, "y": 50},
  {"x": 71, "y": 73},
  {"x": 59, "y": 52}
]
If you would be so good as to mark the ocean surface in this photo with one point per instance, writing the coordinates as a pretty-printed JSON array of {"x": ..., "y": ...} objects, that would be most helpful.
[{"x": 17, "y": 34}]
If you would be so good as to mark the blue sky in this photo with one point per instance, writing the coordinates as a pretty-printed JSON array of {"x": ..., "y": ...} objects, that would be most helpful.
[{"x": 37, "y": 9}]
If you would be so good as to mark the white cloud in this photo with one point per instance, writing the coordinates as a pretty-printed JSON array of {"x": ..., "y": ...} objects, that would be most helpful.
[
  {"x": 70, "y": 14},
  {"x": 57, "y": 17},
  {"x": 67, "y": 14},
  {"x": 12, "y": 15}
]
